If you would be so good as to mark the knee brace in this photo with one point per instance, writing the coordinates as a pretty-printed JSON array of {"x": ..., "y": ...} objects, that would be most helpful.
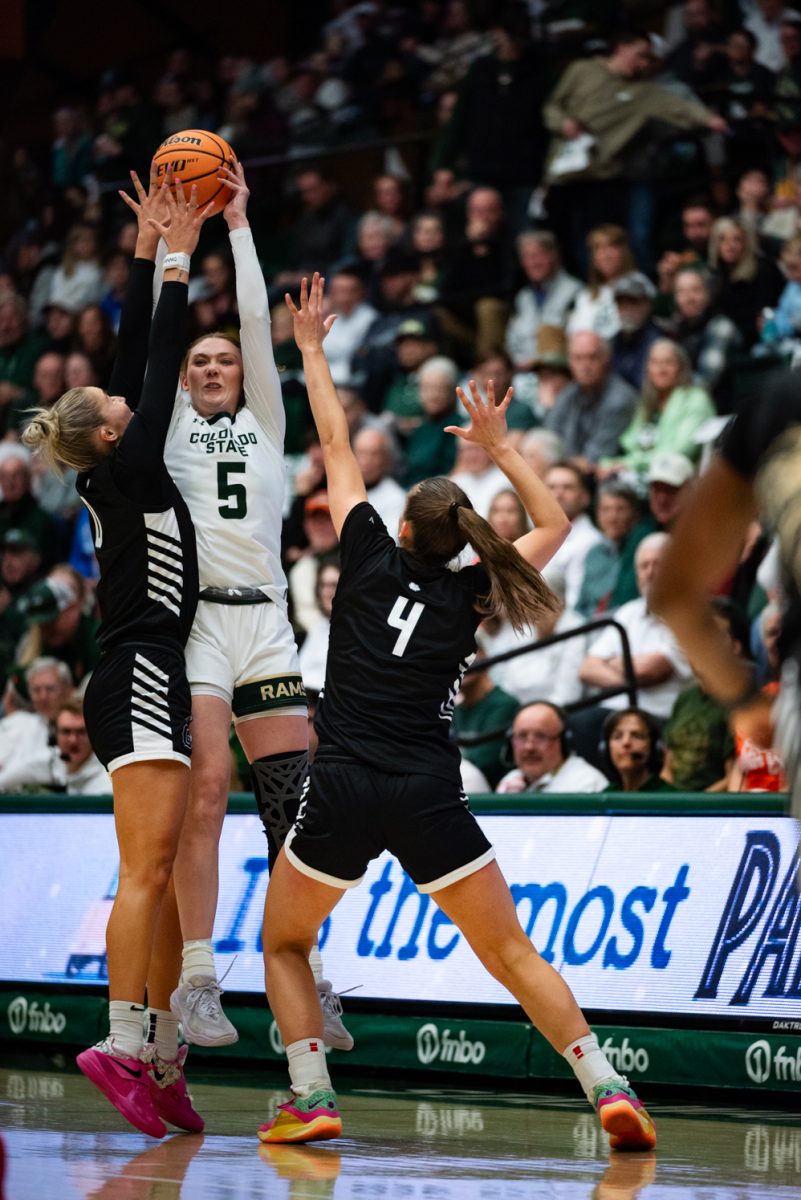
[{"x": 277, "y": 783}]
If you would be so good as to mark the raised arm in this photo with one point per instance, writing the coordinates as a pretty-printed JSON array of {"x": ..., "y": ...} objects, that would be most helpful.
[
  {"x": 262, "y": 385},
  {"x": 488, "y": 429},
  {"x": 142, "y": 444},
  {"x": 345, "y": 484},
  {"x": 128, "y": 373}
]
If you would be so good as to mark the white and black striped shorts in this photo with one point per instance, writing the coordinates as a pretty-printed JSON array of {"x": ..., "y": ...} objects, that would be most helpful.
[{"x": 138, "y": 707}]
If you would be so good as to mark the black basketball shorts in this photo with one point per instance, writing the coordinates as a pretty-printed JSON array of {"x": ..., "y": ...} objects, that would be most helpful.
[
  {"x": 138, "y": 707},
  {"x": 351, "y": 812}
]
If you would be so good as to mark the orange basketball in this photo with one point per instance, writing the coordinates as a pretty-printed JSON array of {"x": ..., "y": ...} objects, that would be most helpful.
[{"x": 196, "y": 156}]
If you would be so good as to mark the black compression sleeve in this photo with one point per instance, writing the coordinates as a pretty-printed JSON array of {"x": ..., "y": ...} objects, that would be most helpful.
[
  {"x": 142, "y": 446},
  {"x": 128, "y": 373}
]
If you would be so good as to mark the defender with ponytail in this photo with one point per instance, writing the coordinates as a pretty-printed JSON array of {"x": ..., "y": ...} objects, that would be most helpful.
[{"x": 386, "y": 773}]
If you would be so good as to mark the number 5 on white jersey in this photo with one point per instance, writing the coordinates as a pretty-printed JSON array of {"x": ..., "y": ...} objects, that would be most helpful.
[{"x": 405, "y": 624}]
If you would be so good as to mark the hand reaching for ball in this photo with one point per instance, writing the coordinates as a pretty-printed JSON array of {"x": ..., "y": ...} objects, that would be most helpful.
[
  {"x": 181, "y": 229},
  {"x": 151, "y": 205},
  {"x": 235, "y": 211}
]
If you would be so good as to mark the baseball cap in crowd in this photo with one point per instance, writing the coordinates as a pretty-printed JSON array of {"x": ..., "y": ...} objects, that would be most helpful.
[
  {"x": 672, "y": 469},
  {"x": 317, "y": 503},
  {"x": 551, "y": 349},
  {"x": 635, "y": 286},
  {"x": 414, "y": 327},
  {"x": 47, "y": 600},
  {"x": 19, "y": 539}
]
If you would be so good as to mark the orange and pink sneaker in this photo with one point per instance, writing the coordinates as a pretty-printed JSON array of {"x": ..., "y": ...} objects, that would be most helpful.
[
  {"x": 623, "y": 1116},
  {"x": 304, "y": 1119},
  {"x": 124, "y": 1081},
  {"x": 169, "y": 1095}
]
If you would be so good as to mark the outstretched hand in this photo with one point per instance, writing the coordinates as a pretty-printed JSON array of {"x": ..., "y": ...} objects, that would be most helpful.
[
  {"x": 236, "y": 210},
  {"x": 487, "y": 426},
  {"x": 309, "y": 324},
  {"x": 181, "y": 229},
  {"x": 151, "y": 205}
]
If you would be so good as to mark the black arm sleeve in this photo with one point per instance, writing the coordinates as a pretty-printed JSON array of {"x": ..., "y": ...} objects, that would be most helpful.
[
  {"x": 128, "y": 373},
  {"x": 141, "y": 448}
]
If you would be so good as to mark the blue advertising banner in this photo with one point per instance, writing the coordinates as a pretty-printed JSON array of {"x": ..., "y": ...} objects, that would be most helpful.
[{"x": 680, "y": 915}]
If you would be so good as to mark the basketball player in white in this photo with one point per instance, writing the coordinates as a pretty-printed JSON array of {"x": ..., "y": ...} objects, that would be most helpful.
[{"x": 225, "y": 453}]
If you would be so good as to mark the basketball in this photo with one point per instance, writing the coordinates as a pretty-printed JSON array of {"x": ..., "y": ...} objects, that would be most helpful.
[{"x": 196, "y": 155}]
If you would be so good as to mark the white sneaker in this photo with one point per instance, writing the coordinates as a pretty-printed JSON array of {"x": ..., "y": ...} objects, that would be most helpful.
[
  {"x": 334, "y": 1032},
  {"x": 197, "y": 1006}
]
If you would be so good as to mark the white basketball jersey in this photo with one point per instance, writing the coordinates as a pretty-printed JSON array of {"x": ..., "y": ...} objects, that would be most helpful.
[{"x": 230, "y": 470}]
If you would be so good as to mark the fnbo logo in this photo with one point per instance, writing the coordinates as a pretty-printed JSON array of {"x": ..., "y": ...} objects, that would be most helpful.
[
  {"x": 18, "y": 1015},
  {"x": 432, "y": 1046},
  {"x": 23, "y": 1017},
  {"x": 758, "y": 1061}
]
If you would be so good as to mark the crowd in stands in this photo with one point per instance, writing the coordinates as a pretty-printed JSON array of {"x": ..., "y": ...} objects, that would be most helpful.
[{"x": 606, "y": 218}]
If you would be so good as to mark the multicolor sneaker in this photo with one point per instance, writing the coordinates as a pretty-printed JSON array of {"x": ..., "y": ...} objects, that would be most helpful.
[
  {"x": 335, "y": 1035},
  {"x": 123, "y": 1081},
  {"x": 304, "y": 1119},
  {"x": 623, "y": 1116},
  {"x": 197, "y": 1006},
  {"x": 168, "y": 1091}
]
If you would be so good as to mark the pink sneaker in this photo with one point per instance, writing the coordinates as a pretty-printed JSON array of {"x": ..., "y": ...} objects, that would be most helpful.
[
  {"x": 169, "y": 1095},
  {"x": 123, "y": 1081}
]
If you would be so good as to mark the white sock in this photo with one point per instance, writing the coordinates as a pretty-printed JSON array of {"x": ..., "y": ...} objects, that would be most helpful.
[
  {"x": 126, "y": 1027},
  {"x": 197, "y": 960},
  {"x": 316, "y": 963},
  {"x": 163, "y": 1033},
  {"x": 308, "y": 1070},
  {"x": 589, "y": 1062}
]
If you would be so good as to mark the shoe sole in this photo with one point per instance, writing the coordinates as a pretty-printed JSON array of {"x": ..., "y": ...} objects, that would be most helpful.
[
  {"x": 318, "y": 1130},
  {"x": 104, "y": 1084},
  {"x": 625, "y": 1128},
  {"x": 338, "y": 1043}
]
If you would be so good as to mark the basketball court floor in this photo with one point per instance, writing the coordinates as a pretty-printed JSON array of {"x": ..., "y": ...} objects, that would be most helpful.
[{"x": 63, "y": 1141}]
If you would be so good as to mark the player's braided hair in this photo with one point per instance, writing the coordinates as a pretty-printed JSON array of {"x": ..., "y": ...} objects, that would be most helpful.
[{"x": 443, "y": 521}]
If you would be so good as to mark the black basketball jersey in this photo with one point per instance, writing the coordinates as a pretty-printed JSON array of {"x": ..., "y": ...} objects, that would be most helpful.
[
  {"x": 402, "y": 636},
  {"x": 143, "y": 533}
]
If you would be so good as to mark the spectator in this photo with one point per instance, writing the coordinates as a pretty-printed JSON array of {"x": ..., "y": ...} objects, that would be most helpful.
[
  {"x": 322, "y": 541},
  {"x": 698, "y": 58},
  {"x": 569, "y": 485},
  {"x": 507, "y": 515},
  {"x": 753, "y": 200},
  {"x": 376, "y": 361},
  {"x": 20, "y": 350},
  {"x": 376, "y": 234},
  {"x": 765, "y": 19},
  {"x": 48, "y": 384},
  {"x": 633, "y": 752},
  {"x": 477, "y": 475},
  {"x": 78, "y": 279},
  {"x": 634, "y": 296},
  {"x": 71, "y": 155},
  {"x": 314, "y": 650},
  {"x": 415, "y": 344},
  {"x": 660, "y": 669},
  {"x": 743, "y": 96},
  {"x": 59, "y": 625},
  {"x": 496, "y": 113},
  {"x": 543, "y": 756},
  {"x": 59, "y": 326},
  {"x": 497, "y": 367},
  {"x": 18, "y": 508},
  {"x": 391, "y": 201},
  {"x": 610, "y": 260},
  {"x": 24, "y": 734},
  {"x": 710, "y": 339},
  {"x": 787, "y": 86},
  {"x": 550, "y": 374},
  {"x": 609, "y": 578},
  {"x": 596, "y": 112},
  {"x": 428, "y": 245},
  {"x": 541, "y": 449},
  {"x": 68, "y": 766},
  {"x": 546, "y": 298},
  {"x": 79, "y": 371},
  {"x": 478, "y": 282},
  {"x": 787, "y": 317},
  {"x": 698, "y": 737},
  {"x": 346, "y": 298},
  {"x": 590, "y": 414},
  {"x": 483, "y": 708},
  {"x": 669, "y": 413},
  {"x": 748, "y": 282},
  {"x": 324, "y": 232},
  {"x": 430, "y": 450},
  {"x": 669, "y": 477},
  {"x": 375, "y": 455},
  {"x": 20, "y": 566},
  {"x": 95, "y": 338}
]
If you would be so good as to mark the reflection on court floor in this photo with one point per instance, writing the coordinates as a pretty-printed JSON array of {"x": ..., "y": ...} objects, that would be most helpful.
[{"x": 64, "y": 1142}]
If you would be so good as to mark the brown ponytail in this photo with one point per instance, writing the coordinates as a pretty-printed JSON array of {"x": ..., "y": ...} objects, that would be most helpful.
[{"x": 443, "y": 521}]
